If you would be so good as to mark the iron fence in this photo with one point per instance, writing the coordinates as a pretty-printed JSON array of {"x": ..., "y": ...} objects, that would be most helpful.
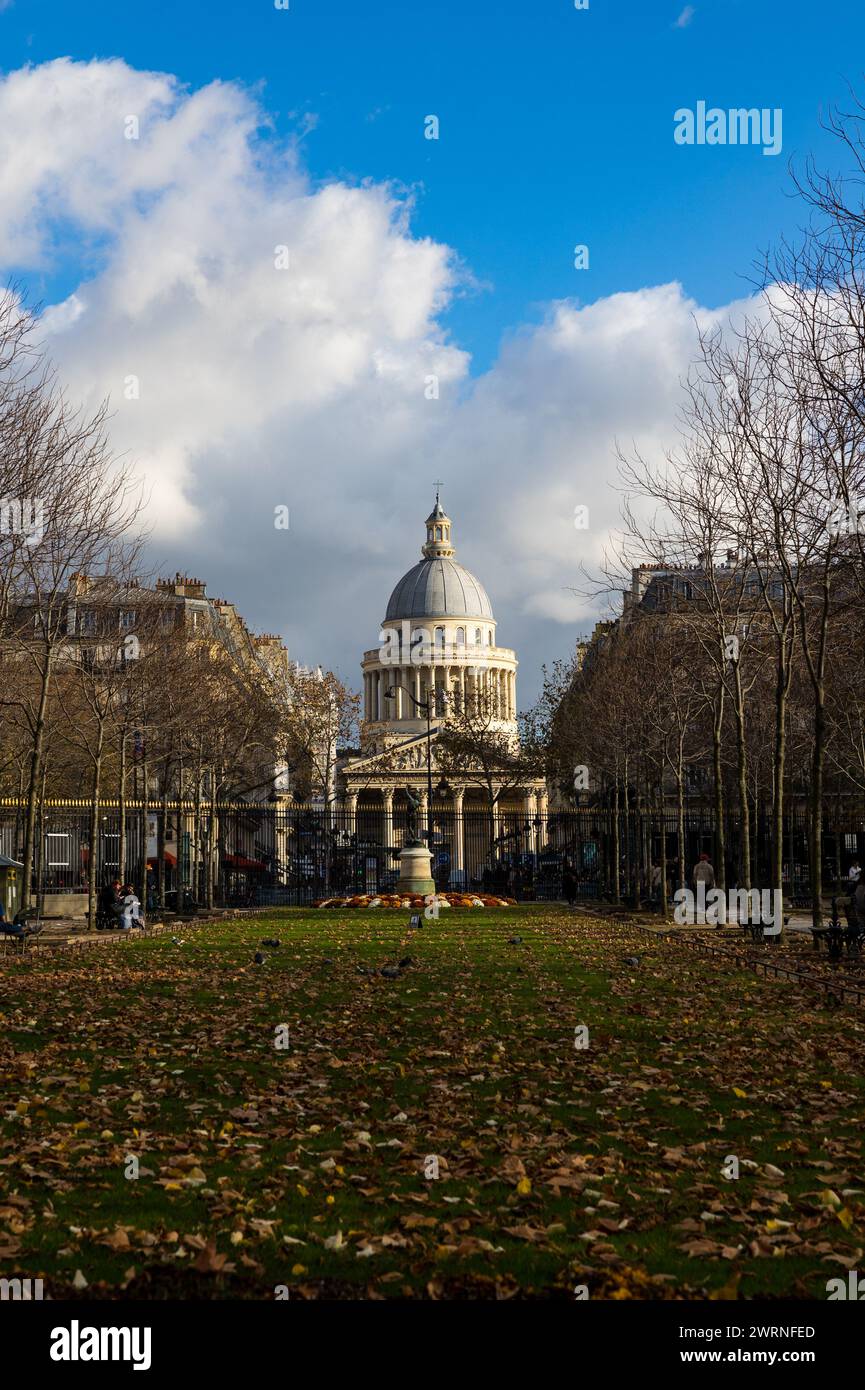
[{"x": 177, "y": 853}]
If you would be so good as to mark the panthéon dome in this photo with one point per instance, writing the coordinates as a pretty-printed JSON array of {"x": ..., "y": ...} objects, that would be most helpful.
[{"x": 438, "y": 587}]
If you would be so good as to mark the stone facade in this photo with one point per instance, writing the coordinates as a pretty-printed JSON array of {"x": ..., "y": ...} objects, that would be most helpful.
[{"x": 437, "y": 648}]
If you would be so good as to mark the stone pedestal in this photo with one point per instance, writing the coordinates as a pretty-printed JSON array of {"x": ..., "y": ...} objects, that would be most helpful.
[{"x": 415, "y": 870}]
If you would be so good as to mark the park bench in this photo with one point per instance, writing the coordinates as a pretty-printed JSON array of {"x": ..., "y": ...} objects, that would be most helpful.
[
  {"x": 753, "y": 927},
  {"x": 837, "y": 936},
  {"x": 23, "y": 927}
]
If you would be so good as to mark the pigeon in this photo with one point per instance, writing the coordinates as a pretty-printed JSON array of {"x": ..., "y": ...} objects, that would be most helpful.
[
  {"x": 259, "y": 958},
  {"x": 389, "y": 972},
  {"x": 174, "y": 941},
  {"x": 271, "y": 941},
  {"x": 327, "y": 961},
  {"x": 406, "y": 960},
  {"x": 632, "y": 960},
  {"x": 364, "y": 970},
  {"x": 514, "y": 940}
]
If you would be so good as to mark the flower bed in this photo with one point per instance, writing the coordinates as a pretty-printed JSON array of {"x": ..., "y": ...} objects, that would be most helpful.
[{"x": 391, "y": 900}]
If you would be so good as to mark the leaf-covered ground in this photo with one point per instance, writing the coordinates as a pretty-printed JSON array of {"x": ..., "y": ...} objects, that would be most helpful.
[{"x": 306, "y": 1168}]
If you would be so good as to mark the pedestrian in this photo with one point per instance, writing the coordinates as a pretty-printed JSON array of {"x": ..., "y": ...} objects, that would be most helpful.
[
  {"x": 703, "y": 872},
  {"x": 854, "y": 873},
  {"x": 569, "y": 885}
]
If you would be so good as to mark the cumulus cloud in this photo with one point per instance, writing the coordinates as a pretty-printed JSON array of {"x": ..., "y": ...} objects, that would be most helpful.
[{"x": 328, "y": 386}]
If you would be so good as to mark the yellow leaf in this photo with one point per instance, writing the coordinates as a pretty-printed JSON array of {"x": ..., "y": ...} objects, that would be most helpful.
[
  {"x": 743, "y": 1095},
  {"x": 298, "y": 1269},
  {"x": 304, "y": 1191},
  {"x": 524, "y": 1186},
  {"x": 846, "y": 1218}
]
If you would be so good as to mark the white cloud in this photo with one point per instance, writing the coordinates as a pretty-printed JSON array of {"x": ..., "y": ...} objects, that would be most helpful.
[
  {"x": 685, "y": 17},
  {"x": 306, "y": 386}
]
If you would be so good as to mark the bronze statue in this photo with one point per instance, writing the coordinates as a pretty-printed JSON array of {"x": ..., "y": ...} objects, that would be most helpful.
[{"x": 412, "y": 828}]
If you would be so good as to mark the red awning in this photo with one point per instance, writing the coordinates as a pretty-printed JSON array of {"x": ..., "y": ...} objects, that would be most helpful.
[
  {"x": 237, "y": 861},
  {"x": 167, "y": 856}
]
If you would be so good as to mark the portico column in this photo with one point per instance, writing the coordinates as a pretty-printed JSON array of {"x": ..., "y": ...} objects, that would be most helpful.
[
  {"x": 351, "y": 812},
  {"x": 459, "y": 838},
  {"x": 544, "y": 812},
  {"x": 387, "y": 801},
  {"x": 529, "y": 811}
]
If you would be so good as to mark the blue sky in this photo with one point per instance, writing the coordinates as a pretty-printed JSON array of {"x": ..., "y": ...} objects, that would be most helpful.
[
  {"x": 556, "y": 124},
  {"x": 155, "y": 260}
]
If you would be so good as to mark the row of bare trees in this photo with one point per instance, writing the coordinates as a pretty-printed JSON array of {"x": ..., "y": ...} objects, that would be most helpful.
[
  {"x": 107, "y": 693},
  {"x": 753, "y": 661}
]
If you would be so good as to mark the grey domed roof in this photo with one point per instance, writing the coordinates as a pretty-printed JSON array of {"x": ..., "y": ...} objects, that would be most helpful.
[{"x": 439, "y": 588}]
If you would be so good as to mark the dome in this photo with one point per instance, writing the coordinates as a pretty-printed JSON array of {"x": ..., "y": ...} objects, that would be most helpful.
[{"x": 439, "y": 588}]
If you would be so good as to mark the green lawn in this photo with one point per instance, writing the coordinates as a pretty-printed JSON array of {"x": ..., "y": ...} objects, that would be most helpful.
[{"x": 304, "y": 1167}]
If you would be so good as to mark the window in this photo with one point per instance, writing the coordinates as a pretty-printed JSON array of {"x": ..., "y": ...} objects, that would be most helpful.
[
  {"x": 127, "y": 619},
  {"x": 461, "y": 636},
  {"x": 87, "y": 622},
  {"x": 477, "y": 637}
]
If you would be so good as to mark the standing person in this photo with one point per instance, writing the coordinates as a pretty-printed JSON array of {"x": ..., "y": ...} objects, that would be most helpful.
[
  {"x": 704, "y": 873},
  {"x": 854, "y": 873},
  {"x": 655, "y": 883},
  {"x": 569, "y": 885}
]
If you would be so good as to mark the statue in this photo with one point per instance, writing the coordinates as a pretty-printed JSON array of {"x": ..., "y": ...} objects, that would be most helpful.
[{"x": 412, "y": 830}]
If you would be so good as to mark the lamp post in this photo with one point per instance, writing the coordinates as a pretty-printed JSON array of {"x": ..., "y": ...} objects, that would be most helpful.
[{"x": 426, "y": 707}]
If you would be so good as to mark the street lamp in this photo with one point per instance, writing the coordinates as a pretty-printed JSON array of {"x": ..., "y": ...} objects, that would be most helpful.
[{"x": 426, "y": 707}]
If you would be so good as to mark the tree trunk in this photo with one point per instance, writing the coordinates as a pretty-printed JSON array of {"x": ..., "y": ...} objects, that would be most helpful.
[
  {"x": 33, "y": 782},
  {"x": 742, "y": 767},
  {"x": 617, "y": 846},
  {"x": 717, "y": 771},
  {"x": 121, "y": 839},
  {"x": 817, "y": 771},
  {"x": 95, "y": 789}
]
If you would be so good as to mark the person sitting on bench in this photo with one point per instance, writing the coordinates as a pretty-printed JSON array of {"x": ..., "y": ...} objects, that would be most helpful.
[{"x": 109, "y": 904}]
